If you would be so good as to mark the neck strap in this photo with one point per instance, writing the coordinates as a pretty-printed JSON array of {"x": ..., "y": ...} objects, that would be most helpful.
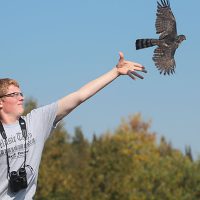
[{"x": 22, "y": 124}]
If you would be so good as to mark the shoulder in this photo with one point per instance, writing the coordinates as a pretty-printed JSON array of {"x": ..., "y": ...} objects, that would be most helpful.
[{"x": 42, "y": 111}]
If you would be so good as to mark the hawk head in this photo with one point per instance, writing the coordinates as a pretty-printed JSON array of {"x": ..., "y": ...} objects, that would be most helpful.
[{"x": 181, "y": 38}]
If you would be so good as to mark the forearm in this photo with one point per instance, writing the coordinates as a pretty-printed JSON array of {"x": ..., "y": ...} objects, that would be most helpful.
[
  {"x": 96, "y": 85},
  {"x": 71, "y": 101}
]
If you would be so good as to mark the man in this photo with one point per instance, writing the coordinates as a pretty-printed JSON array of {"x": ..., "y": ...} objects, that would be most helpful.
[{"x": 22, "y": 138}]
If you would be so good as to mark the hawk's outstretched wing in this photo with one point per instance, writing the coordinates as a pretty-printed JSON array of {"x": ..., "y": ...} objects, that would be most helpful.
[
  {"x": 164, "y": 59},
  {"x": 168, "y": 40},
  {"x": 165, "y": 21}
]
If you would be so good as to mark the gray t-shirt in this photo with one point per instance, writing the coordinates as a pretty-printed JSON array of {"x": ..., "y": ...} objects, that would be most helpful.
[{"x": 39, "y": 123}]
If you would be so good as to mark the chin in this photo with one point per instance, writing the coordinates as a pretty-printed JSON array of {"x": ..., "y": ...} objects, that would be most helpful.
[{"x": 21, "y": 111}]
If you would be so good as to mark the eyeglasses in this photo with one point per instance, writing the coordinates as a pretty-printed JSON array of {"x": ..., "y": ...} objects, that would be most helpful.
[{"x": 13, "y": 94}]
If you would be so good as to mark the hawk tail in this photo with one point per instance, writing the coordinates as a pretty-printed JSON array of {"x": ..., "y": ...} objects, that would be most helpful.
[{"x": 144, "y": 43}]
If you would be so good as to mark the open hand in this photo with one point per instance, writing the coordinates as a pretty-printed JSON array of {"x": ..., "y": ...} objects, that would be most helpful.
[{"x": 127, "y": 67}]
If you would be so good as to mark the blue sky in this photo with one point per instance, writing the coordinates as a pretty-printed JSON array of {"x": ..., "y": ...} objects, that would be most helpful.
[{"x": 54, "y": 47}]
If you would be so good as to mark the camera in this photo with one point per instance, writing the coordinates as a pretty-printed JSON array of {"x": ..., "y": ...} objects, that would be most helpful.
[{"x": 18, "y": 180}]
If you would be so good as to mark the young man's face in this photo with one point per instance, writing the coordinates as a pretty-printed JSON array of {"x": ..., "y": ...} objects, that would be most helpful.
[{"x": 12, "y": 102}]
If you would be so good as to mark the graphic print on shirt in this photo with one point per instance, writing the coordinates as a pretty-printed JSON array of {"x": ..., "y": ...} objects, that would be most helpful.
[{"x": 16, "y": 145}]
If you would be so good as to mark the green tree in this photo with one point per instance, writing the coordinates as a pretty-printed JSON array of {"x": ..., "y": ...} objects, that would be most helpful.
[
  {"x": 54, "y": 176},
  {"x": 29, "y": 105},
  {"x": 127, "y": 164}
]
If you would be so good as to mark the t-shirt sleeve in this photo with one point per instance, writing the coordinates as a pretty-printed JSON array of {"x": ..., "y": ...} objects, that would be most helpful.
[{"x": 41, "y": 120}]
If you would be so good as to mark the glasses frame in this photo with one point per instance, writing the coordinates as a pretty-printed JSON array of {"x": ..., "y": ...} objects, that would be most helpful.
[{"x": 13, "y": 94}]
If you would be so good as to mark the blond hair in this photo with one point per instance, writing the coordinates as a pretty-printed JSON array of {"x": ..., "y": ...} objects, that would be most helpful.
[{"x": 5, "y": 83}]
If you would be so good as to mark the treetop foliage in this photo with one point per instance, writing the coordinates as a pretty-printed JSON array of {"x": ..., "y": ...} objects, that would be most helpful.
[{"x": 128, "y": 164}]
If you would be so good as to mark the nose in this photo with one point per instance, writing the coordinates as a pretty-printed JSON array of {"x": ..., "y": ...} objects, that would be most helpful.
[{"x": 20, "y": 97}]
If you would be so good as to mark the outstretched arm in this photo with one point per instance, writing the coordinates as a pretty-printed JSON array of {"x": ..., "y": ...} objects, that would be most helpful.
[{"x": 71, "y": 101}]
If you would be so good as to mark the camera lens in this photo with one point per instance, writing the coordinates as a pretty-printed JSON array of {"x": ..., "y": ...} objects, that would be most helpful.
[
  {"x": 22, "y": 172},
  {"x": 13, "y": 174},
  {"x": 22, "y": 175},
  {"x": 14, "y": 182}
]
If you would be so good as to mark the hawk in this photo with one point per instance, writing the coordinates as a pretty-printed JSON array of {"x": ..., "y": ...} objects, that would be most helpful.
[{"x": 168, "y": 40}]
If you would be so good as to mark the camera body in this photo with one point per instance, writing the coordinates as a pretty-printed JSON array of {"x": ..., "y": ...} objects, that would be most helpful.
[{"x": 18, "y": 180}]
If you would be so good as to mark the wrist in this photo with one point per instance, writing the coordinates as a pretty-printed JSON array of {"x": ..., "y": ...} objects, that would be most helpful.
[{"x": 116, "y": 71}]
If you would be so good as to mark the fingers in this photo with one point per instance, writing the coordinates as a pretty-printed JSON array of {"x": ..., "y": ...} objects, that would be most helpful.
[
  {"x": 144, "y": 70},
  {"x": 138, "y": 75},
  {"x": 137, "y": 65},
  {"x": 139, "y": 68},
  {"x": 132, "y": 74}
]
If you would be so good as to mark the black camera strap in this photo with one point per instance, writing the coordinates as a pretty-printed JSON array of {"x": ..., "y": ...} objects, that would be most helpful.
[
  {"x": 22, "y": 124},
  {"x": 3, "y": 134}
]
